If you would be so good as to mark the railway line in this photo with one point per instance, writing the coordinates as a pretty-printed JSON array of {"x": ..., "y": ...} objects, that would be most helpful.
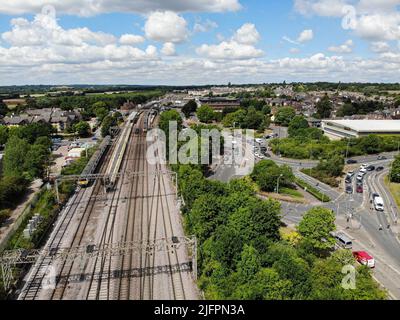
[{"x": 138, "y": 208}]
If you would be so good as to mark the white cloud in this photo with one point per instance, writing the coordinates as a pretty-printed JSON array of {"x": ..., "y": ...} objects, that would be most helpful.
[
  {"x": 346, "y": 47},
  {"x": 305, "y": 35},
  {"x": 229, "y": 50},
  {"x": 168, "y": 49},
  {"x": 206, "y": 26},
  {"x": 294, "y": 50},
  {"x": 373, "y": 20},
  {"x": 327, "y": 8},
  {"x": 247, "y": 34},
  {"x": 90, "y": 7},
  {"x": 44, "y": 29},
  {"x": 240, "y": 46},
  {"x": 380, "y": 47},
  {"x": 379, "y": 26},
  {"x": 131, "y": 39},
  {"x": 166, "y": 27}
]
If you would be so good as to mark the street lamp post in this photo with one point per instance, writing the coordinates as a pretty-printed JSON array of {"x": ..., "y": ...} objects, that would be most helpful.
[{"x": 277, "y": 183}]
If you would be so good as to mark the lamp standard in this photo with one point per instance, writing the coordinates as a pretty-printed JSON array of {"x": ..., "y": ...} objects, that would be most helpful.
[{"x": 277, "y": 183}]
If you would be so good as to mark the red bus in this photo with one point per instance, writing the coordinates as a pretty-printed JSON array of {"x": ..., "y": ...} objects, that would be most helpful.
[{"x": 364, "y": 258}]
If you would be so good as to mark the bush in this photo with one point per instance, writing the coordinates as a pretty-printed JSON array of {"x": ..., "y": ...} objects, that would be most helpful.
[
  {"x": 4, "y": 215},
  {"x": 313, "y": 191}
]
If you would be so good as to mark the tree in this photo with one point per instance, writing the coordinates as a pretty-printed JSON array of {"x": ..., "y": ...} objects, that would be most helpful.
[
  {"x": 266, "y": 173},
  {"x": 3, "y": 109},
  {"x": 189, "y": 108},
  {"x": 324, "y": 108},
  {"x": 297, "y": 123},
  {"x": 100, "y": 111},
  {"x": 253, "y": 120},
  {"x": 284, "y": 115},
  {"x": 395, "y": 171},
  {"x": 35, "y": 160},
  {"x": 3, "y": 135},
  {"x": 14, "y": 156},
  {"x": 249, "y": 263},
  {"x": 82, "y": 128},
  {"x": 11, "y": 190},
  {"x": 371, "y": 144},
  {"x": 333, "y": 166},
  {"x": 315, "y": 229},
  {"x": 108, "y": 122},
  {"x": 205, "y": 113}
]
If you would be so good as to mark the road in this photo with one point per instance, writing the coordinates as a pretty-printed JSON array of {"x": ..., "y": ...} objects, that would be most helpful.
[
  {"x": 142, "y": 208},
  {"x": 363, "y": 226}
]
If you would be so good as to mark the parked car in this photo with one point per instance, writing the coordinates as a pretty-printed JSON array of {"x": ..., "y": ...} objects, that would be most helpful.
[
  {"x": 350, "y": 173},
  {"x": 382, "y": 158},
  {"x": 380, "y": 169},
  {"x": 352, "y": 161},
  {"x": 360, "y": 188},
  {"x": 349, "y": 189},
  {"x": 348, "y": 179},
  {"x": 364, "y": 258},
  {"x": 371, "y": 168}
]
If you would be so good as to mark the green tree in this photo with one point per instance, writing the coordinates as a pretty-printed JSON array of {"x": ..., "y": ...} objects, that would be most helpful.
[
  {"x": 315, "y": 229},
  {"x": 395, "y": 171},
  {"x": 3, "y": 109},
  {"x": 333, "y": 166},
  {"x": 371, "y": 144},
  {"x": 4, "y": 132},
  {"x": 324, "y": 108},
  {"x": 266, "y": 173},
  {"x": 100, "y": 110},
  {"x": 249, "y": 264},
  {"x": 284, "y": 116},
  {"x": 36, "y": 160},
  {"x": 189, "y": 108},
  {"x": 253, "y": 120},
  {"x": 297, "y": 123},
  {"x": 14, "y": 156},
  {"x": 82, "y": 128},
  {"x": 205, "y": 113}
]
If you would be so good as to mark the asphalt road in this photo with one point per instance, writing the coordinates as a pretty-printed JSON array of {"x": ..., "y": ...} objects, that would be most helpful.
[{"x": 354, "y": 213}]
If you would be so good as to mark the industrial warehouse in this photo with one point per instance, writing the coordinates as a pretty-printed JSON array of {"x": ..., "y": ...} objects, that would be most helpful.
[{"x": 338, "y": 129}]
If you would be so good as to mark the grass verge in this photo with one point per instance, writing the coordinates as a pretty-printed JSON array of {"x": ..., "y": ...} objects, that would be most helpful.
[{"x": 313, "y": 191}]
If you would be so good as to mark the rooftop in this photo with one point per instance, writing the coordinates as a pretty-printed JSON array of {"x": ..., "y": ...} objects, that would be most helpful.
[{"x": 369, "y": 125}]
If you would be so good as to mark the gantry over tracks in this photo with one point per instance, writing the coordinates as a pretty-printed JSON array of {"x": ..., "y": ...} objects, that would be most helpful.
[{"x": 11, "y": 259}]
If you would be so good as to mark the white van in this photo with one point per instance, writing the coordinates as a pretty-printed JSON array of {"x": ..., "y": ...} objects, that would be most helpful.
[{"x": 378, "y": 204}]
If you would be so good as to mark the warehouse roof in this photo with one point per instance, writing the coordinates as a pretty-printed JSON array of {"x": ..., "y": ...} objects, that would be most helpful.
[{"x": 368, "y": 125}]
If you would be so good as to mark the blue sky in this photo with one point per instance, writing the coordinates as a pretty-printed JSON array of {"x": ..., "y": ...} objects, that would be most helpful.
[{"x": 198, "y": 41}]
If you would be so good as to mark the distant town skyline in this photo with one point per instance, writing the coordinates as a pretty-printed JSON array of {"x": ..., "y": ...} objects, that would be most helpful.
[{"x": 198, "y": 42}]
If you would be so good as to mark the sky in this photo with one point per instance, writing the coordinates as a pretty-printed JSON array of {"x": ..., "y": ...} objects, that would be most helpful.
[{"x": 197, "y": 42}]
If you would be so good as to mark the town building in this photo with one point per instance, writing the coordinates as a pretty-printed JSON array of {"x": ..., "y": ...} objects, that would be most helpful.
[
  {"x": 60, "y": 119},
  {"x": 338, "y": 129},
  {"x": 219, "y": 104}
]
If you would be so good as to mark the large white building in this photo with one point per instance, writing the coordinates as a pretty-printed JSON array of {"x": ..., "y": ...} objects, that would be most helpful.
[{"x": 338, "y": 129}]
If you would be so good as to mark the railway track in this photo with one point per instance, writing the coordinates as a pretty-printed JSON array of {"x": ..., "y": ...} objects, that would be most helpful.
[
  {"x": 140, "y": 208},
  {"x": 75, "y": 205}
]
